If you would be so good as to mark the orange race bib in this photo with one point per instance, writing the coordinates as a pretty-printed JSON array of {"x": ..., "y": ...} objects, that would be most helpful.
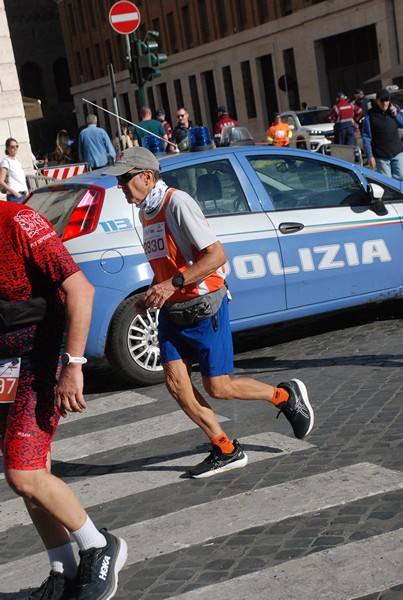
[{"x": 9, "y": 375}]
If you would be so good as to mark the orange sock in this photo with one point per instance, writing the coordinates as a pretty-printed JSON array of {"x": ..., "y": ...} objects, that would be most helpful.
[
  {"x": 279, "y": 395},
  {"x": 224, "y": 443}
]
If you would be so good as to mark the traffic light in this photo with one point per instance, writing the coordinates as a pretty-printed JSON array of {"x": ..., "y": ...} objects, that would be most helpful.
[
  {"x": 134, "y": 67},
  {"x": 150, "y": 59},
  {"x": 145, "y": 60}
]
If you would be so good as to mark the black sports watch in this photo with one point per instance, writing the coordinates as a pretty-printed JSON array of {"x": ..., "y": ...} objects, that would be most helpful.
[{"x": 178, "y": 281}]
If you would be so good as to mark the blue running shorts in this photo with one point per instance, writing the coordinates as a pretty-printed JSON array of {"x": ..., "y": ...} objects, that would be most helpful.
[{"x": 213, "y": 350}]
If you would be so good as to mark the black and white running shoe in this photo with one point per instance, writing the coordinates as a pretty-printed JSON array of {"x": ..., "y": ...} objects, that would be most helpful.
[
  {"x": 99, "y": 567},
  {"x": 218, "y": 462},
  {"x": 55, "y": 587},
  {"x": 297, "y": 409}
]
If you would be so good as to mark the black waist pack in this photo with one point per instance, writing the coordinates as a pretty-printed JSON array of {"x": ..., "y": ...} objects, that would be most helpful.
[
  {"x": 22, "y": 313},
  {"x": 195, "y": 310}
]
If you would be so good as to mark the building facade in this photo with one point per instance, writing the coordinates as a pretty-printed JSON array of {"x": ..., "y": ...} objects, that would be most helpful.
[
  {"x": 12, "y": 115},
  {"x": 42, "y": 68},
  {"x": 257, "y": 57}
]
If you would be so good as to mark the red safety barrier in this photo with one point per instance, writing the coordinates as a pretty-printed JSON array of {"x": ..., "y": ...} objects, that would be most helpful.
[{"x": 64, "y": 171}]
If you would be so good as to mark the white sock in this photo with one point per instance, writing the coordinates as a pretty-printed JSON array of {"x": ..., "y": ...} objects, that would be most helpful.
[
  {"x": 62, "y": 560},
  {"x": 88, "y": 536}
]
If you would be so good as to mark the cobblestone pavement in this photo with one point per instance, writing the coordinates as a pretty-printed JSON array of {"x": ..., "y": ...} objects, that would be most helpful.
[{"x": 352, "y": 366}]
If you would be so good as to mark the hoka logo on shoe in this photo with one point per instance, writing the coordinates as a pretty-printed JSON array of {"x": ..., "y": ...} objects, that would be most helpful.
[{"x": 103, "y": 574}]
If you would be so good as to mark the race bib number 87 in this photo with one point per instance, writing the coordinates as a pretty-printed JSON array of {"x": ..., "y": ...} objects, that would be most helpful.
[
  {"x": 154, "y": 241},
  {"x": 9, "y": 374}
]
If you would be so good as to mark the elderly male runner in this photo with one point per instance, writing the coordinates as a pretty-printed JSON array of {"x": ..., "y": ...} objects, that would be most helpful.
[{"x": 189, "y": 288}]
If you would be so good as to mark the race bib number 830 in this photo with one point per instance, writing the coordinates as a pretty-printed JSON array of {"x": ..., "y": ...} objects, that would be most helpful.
[{"x": 154, "y": 241}]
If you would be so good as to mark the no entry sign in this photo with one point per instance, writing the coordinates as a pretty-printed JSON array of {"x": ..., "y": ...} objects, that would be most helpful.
[{"x": 124, "y": 17}]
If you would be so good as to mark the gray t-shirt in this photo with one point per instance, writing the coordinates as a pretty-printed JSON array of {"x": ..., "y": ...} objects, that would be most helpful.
[{"x": 187, "y": 224}]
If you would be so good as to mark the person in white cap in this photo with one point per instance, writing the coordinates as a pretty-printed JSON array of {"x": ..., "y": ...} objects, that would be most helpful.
[{"x": 190, "y": 290}]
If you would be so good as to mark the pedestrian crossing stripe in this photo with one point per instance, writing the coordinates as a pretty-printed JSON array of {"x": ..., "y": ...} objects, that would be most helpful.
[
  {"x": 101, "y": 406},
  {"x": 108, "y": 404},
  {"x": 342, "y": 573},
  {"x": 351, "y": 566},
  {"x": 257, "y": 507},
  {"x": 91, "y": 443},
  {"x": 151, "y": 474}
]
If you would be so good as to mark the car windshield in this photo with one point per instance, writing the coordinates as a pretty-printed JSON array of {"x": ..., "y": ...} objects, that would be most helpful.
[
  {"x": 314, "y": 117},
  {"x": 57, "y": 204}
]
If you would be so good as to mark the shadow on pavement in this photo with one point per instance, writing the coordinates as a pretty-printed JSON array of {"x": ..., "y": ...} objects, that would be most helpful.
[{"x": 146, "y": 464}]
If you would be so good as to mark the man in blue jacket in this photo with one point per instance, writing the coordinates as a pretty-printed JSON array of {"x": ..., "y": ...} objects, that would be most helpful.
[
  {"x": 381, "y": 139},
  {"x": 94, "y": 145}
]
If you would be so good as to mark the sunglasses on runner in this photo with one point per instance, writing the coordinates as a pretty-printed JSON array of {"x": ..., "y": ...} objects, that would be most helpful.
[{"x": 126, "y": 177}]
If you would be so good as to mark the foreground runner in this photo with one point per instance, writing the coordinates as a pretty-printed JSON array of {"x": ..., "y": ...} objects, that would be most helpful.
[{"x": 41, "y": 288}]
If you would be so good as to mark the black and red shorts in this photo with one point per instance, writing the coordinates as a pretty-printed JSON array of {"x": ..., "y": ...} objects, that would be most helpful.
[{"x": 28, "y": 425}]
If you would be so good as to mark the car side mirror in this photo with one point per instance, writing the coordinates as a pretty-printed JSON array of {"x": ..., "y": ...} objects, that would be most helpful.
[{"x": 375, "y": 193}]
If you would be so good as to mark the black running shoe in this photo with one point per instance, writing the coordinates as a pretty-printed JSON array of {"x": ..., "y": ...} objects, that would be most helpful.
[
  {"x": 97, "y": 577},
  {"x": 55, "y": 587},
  {"x": 297, "y": 409},
  {"x": 218, "y": 462}
]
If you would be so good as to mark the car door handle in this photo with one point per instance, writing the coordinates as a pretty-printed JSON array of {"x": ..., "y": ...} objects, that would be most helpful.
[{"x": 290, "y": 227}]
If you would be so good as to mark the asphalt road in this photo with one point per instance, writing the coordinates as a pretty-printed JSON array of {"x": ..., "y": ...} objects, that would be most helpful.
[{"x": 311, "y": 519}]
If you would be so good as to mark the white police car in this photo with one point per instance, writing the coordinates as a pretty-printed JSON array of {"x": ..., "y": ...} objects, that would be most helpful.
[{"x": 304, "y": 234}]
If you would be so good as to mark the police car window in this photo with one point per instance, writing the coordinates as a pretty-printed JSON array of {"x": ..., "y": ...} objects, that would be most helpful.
[
  {"x": 214, "y": 185},
  {"x": 389, "y": 193},
  {"x": 295, "y": 183}
]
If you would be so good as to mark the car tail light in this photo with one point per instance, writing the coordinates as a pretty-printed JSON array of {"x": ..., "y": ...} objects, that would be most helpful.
[{"x": 84, "y": 218}]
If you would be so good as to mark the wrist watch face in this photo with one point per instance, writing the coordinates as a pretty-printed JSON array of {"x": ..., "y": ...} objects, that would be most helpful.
[
  {"x": 65, "y": 359},
  {"x": 178, "y": 280}
]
